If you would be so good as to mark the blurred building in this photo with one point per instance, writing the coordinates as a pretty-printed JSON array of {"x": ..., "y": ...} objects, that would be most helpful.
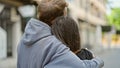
[
  {"x": 14, "y": 15},
  {"x": 90, "y": 15}
]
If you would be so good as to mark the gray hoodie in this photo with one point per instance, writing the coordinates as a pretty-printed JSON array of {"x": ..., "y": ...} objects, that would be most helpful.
[{"x": 40, "y": 49}]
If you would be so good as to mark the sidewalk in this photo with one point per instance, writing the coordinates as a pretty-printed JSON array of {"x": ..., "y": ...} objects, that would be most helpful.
[
  {"x": 111, "y": 58},
  {"x": 8, "y": 63}
]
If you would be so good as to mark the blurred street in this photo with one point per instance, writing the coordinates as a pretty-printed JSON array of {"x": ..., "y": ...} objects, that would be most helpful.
[
  {"x": 8, "y": 63},
  {"x": 98, "y": 22},
  {"x": 110, "y": 57}
]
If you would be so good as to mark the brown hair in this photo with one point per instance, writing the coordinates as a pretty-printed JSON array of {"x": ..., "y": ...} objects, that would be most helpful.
[
  {"x": 50, "y": 9},
  {"x": 66, "y": 30}
]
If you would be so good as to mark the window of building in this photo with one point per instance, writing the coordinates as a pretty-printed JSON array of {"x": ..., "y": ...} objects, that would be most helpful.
[
  {"x": 81, "y": 3},
  {"x": 101, "y": 15},
  {"x": 87, "y": 5},
  {"x": 91, "y": 6}
]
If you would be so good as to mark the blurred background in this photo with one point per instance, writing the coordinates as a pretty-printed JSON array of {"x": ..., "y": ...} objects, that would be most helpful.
[{"x": 98, "y": 21}]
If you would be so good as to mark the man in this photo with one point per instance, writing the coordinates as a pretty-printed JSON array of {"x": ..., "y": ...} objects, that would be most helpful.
[{"x": 40, "y": 49}]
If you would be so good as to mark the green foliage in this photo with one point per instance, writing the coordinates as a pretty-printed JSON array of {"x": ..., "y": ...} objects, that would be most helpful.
[{"x": 114, "y": 18}]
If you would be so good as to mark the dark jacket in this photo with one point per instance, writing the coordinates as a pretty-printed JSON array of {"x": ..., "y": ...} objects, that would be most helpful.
[{"x": 85, "y": 54}]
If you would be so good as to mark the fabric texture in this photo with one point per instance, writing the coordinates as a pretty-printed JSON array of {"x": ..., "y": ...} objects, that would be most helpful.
[{"x": 38, "y": 48}]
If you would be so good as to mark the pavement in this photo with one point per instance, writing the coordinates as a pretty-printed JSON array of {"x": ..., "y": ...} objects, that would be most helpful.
[
  {"x": 111, "y": 58},
  {"x": 8, "y": 63}
]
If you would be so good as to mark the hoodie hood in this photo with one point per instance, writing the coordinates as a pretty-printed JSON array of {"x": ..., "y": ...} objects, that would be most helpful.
[{"x": 34, "y": 31}]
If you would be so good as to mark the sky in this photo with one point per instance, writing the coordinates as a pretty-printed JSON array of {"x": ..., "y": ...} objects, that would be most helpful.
[{"x": 112, "y": 4}]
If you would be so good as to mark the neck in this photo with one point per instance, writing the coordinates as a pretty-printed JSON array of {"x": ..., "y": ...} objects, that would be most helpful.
[{"x": 77, "y": 51}]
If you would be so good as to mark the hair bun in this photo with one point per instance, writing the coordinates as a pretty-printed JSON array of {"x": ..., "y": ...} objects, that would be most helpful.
[
  {"x": 50, "y": 9},
  {"x": 52, "y": 5}
]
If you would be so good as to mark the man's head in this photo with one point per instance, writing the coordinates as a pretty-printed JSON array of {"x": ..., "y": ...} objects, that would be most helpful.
[{"x": 50, "y": 9}]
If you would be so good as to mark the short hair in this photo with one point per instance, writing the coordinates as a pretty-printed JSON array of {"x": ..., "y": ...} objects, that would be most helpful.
[
  {"x": 66, "y": 30},
  {"x": 51, "y": 9}
]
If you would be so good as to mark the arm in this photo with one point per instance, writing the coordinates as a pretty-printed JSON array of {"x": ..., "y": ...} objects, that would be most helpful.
[
  {"x": 64, "y": 58},
  {"x": 94, "y": 63}
]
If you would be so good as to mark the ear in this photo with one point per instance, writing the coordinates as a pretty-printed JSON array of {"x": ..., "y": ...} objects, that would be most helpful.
[{"x": 65, "y": 11}]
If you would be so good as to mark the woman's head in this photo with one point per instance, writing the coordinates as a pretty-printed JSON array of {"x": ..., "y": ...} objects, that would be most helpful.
[
  {"x": 50, "y": 9},
  {"x": 66, "y": 30}
]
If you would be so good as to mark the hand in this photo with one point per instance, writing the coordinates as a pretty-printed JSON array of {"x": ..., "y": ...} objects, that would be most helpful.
[
  {"x": 91, "y": 52},
  {"x": 85, "y": 54}
]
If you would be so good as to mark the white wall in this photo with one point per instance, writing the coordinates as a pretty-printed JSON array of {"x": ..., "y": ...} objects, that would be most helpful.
[
  {"x": 98, "y": 47},
  {"x": 16, "y": 36},
  {"x": 16, "y": 31},
  {"x": 3, "y": 44}
]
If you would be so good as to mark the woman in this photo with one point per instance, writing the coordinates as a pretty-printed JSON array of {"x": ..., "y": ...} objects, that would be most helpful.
[{"x": 66, "y": 30}]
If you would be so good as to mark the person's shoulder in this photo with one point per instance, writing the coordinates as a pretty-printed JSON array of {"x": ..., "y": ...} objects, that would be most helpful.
[
  {"x": 56, "y": 42},
  {"x": 50, "y": 39}
]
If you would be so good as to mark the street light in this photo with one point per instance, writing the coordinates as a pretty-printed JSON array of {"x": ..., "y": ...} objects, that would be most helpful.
[{"x": 27, "y": 11}]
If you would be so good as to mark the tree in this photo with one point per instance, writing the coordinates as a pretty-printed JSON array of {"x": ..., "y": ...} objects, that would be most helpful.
[{"x": 114, "y": 18}]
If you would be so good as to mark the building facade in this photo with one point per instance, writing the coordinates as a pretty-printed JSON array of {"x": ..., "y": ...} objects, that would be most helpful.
[
  {"x": 90, "y": 15},
  {"x": 11, "y": 26}
]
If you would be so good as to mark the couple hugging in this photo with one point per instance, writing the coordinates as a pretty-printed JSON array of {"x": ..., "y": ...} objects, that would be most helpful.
[{"x": 53, "y": 41}]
